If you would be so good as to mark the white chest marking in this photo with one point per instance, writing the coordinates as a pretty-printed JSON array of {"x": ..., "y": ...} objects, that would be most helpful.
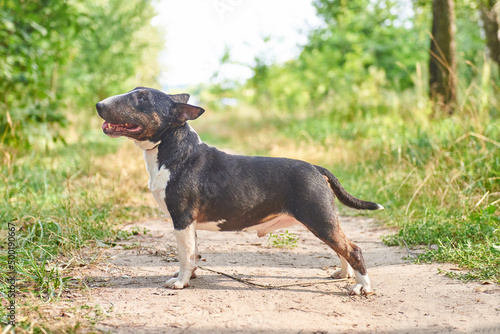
[{"x": 158, "y": 178}]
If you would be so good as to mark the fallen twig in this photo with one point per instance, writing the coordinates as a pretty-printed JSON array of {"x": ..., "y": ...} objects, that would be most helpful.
[{"x": 271, "y": 286}]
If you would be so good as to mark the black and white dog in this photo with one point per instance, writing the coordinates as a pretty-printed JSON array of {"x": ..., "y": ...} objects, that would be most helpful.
[{"x": 201, "y": 187}]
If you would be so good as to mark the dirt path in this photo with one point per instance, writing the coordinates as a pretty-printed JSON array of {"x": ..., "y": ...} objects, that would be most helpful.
[{"x": 409, "y": 298}]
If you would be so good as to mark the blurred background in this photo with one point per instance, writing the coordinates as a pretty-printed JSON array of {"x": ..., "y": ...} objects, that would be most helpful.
[{"x": 399, "y": 98}]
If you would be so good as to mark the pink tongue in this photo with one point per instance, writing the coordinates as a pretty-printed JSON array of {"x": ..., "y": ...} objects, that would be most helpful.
[{"x": 104, "y": 125}]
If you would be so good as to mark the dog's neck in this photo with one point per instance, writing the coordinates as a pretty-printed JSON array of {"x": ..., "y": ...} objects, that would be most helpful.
[{"x": 174, "y": 146}]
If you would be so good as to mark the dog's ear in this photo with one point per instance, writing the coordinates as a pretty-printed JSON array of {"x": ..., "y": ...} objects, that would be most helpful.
[
  {"x": 180, "y": 98},
  {"x": 186, "y": 112}
]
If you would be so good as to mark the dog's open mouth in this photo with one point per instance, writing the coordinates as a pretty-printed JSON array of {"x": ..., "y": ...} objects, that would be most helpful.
[{"x": 120, "y": 129}]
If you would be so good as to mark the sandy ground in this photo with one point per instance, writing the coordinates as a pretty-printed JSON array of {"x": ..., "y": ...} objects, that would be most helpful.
[{"x": 409, "y": 298}]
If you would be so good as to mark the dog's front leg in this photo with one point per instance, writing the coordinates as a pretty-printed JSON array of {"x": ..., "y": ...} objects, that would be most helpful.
[
  {"x": 345, "y": 270},
  {"x": 186, "y": 246},
  {"x": 193, "y": 275}
]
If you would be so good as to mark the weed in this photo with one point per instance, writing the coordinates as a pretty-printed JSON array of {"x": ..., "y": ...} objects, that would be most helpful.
[
  {"x": 123, "y": 235},
  {"x": 283, "y": 240}
]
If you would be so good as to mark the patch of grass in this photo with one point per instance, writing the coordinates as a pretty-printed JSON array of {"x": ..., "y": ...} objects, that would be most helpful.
[
  {"x": 472, "y": 242},
  {"x": 125, "y": 235},
  {"x": 283, "y": 240}
]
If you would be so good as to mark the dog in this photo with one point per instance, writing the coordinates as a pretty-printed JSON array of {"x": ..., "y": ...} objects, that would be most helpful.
[{"x": 203, "y": 188}]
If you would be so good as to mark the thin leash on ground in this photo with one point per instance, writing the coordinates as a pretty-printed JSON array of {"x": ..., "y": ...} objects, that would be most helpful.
[{"x": 271, "y": 286}]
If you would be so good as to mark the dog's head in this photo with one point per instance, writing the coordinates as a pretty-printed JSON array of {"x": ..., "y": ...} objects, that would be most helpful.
[{"x": 145, "y": 113}]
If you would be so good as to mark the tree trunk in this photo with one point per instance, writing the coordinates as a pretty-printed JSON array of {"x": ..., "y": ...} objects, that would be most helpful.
[
  {"x": 489, "y": 17},
  {"x": 442, "y": 63}
]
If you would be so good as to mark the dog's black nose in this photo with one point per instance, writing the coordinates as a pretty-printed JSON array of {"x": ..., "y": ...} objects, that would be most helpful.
[{"x": 99, "y": 106}]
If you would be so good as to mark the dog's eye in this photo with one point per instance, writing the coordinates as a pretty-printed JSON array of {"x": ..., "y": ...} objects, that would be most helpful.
[{"x": 140, "y": 99}]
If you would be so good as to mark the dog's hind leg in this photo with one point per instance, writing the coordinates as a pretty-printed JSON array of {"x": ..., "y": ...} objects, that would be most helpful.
[
  {"x": 186, "y": 245},
  {"x": 326, "y": 227},
  {"x": 351, "y": 259}
]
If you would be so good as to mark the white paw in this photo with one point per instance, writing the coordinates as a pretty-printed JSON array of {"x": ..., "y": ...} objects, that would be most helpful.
[
  {"x": 175, "y": 283},
  {"x": 362, "y": 286},
  {"x": 359, "y": 289},
  {"x": 339, "y": 273}
]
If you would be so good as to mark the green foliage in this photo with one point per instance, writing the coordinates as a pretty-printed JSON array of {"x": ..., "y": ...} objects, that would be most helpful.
[
  {"x": 439, "y": 182},
  {"x": 36, "y": 41},
  {"x": 382, "y": 33},
  {"x": 60, "y": 53}
]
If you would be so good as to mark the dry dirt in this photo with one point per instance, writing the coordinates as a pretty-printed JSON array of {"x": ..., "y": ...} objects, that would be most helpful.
[{"x": 409, "y": 298}]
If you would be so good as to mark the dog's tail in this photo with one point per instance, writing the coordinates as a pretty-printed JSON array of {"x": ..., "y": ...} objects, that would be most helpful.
[{"x": 343, "y": 196}]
